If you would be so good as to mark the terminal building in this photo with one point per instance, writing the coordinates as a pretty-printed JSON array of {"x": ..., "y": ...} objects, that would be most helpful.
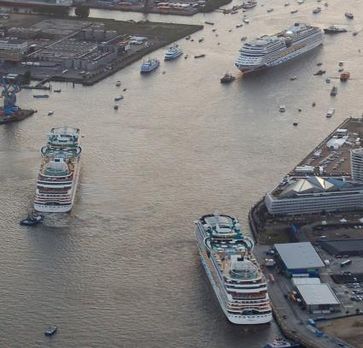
[
  {"x": 318, "y": 298},
  {"x": 314, "y": 194},
  {"x": 299, "y": 259}
]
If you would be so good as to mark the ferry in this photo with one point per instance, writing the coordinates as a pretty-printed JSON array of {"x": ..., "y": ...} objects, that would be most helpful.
[
  {"x": 173, "y": 52},
  {"x": 236, "y": 278},
  {"x": 268, "y": 51},
  {"x": 149, "y": 65},
  {"x": 59, "y": 171}
]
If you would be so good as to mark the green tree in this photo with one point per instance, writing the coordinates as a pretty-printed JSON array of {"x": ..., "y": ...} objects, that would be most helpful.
[{"x": 82, "y": 11}]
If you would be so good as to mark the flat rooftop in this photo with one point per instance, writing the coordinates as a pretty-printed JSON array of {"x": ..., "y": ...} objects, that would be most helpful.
[
  {"x": 299, "y": 255},
  {"x": 305, "y": 281},
  {"x": 317, "y": 294},
  {"x": 343, "y": 246},
  {"x": 334, "y": 161}
]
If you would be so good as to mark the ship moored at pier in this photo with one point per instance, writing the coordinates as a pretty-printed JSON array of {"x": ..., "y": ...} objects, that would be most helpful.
[{"x": 236, "y": 278}]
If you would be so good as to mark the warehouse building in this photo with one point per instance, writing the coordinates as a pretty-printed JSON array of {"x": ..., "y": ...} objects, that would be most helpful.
[
  {"x": 340, "y": 247},
  {"x": 318, "y": 298},
  {"x": 299, "y": 259}
]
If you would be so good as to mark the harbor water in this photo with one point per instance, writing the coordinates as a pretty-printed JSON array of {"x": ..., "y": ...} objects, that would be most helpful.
[{"x": 122, "y": 269}]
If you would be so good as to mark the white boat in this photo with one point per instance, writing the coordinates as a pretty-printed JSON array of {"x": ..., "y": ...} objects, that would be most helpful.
[
  {"x": 236, "y": 278},
  {"x": 119, "y": 97},
  {"x": 59, "y": 171},
  {"x": 246, "y": 20},
  {"x": 50, "y": 113},
  {"x": 268, "y": 51},
  {"x": 282, "y": 108},
  {"x": 173, "y": 52},
  {"x": 249, "y": 4},
  {"x": 149, "y": 65},
  {"x": 330, "y": 112}
]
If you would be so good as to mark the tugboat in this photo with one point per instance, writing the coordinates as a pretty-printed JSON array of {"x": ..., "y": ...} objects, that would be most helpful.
[
  {"x": 280, "y": 342},
  {"x": 334, "y": 29},
  {"x": 32, "y": 219},
  {"x": 50, "y": 331},
  {"x": 334, "y": 91},
  {"x": 149, "y": 65},
  {"x": 227, "y": 78},
  {"x": 349, "y": 15}
]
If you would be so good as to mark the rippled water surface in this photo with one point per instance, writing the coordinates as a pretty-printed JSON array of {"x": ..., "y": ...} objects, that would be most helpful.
[{"x": 122, "y": 270}]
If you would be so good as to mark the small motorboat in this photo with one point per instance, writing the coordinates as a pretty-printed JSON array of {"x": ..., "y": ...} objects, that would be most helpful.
[
  {"x": 51, "y": 330},
  {"x": 32, "y": 219},
  {"x": 201, "y": 39},
  {"x": 124, "y": 90},
  {"x": 249, "y": 4},
  {"x": 327, "y": 80},
  {"x": 50, "y": 113},
  {"x": 349, "y": 15},
  {"x": 320, "y": 72},
  {"x": 293, "y": 78},
  {"x": 115, "y": 107},
  {"x": 227, "y": 78},
  {"x": 118, "y": 84},
  {"x": 355, "y": 33},
  {"x": 319, "y": 64},
  {"x": 246, "y": 20},
  {"x": 330, "y": 112},
  {"x": 282, "y": 108},
  {"x": 316, "y": 10},
  {"x": 57, "y": 90},
  {"x": 280, "y": 342},
  {"x": 199, "y": 56},
  {"x": 286, "y": 4},
  {"x": 294, "y": 11},
  {"x": 120, "y": 97},
  {"x": 269, "y": 10},
  {"x": 209, "y": 23},
  {"x": 340, "y": 63},
  {"x": 313, "y": 104},
  {"x": 295, "y": 124},
  {"x": 334, "y": 91},
  {"x": 243, "y": 38},
  {"x": 187, "y": 37},
  {"x": 344, "y": 76},
  {"x": 239, "y": 25}
]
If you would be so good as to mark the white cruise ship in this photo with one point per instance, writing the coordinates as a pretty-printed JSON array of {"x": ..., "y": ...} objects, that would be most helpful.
[
  {"x": 59, "y": 171},
  {"x": 268, "y": 51},
  {"x": 233, "y": 272}
]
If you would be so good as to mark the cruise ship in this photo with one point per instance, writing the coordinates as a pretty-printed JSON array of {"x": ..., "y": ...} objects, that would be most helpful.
[
  {"x": 173, "y": 52},
  {"x": 59, "y": 171},
  {"x": 233, "y": 272},
  {"x": 268, "y": 51}
]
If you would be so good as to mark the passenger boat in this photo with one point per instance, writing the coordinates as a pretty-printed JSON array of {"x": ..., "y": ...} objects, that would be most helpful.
[
  {"x": 50, "y": 331},
  {"x": 334, "y": 91},
  {"x": 268, "y": 51},
  {"x": 227, "y": 78},
  {"x": 349, "y": 15},
  {"x": 334, "y": 29},
  {"x": 280, "y": 342},
  {"x": 173, "y": 52},
  {"x": 234, "y": 274},
  {"x": 59, "y": 171},
  {"x": 249, "y": 4},
  {"x": 149, "y": 65}
]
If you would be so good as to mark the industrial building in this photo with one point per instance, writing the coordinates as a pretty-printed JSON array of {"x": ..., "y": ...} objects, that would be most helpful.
[
  {"x": 299, "y": 259},
  {"x": 340, "y": 247},
  {"x": 318, "y": 298},
  {"x": 314, "y": 194}
]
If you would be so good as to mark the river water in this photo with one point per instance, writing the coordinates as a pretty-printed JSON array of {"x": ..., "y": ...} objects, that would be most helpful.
[{"x": 122, "y": 270}]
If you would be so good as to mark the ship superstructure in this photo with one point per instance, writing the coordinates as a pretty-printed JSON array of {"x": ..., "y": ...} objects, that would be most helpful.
[
  {"x": 268, "y": 51},
  {"x": 233, "y": 272},
  {"x": 59, "y": 171}
]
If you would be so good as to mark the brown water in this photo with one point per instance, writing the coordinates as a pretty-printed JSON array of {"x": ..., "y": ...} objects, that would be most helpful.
[{"x": 122, "y": 270}]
